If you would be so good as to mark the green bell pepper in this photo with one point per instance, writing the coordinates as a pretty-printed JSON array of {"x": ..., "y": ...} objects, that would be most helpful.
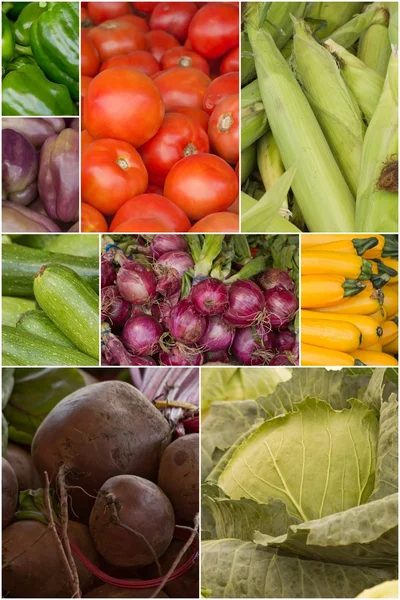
[
  {"x": 27, "y": 92},
  {"x": 18, "y": 62},
  {"x": 54, "y": 39},
  {"x": 13, "y": 9},
  {"x": 7, "y": 41},
  {"x": 24, "y": 22}
]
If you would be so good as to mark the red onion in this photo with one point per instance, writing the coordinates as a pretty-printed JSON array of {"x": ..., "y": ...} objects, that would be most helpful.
[
  {"x": 141, "y": 335},
  {"x": 285, "y": 340},
  {"x": 107, "y": 270},
  {"x": 281, "y": 306},
  {"x": 216, "y": 357},
  {"x": 185, "y": 323},
  {"x": 276, "y": 278},
  {"x": 178, "y": 260},
  {"x": 161, "y": 312},
  {"x": 114, "y": 308},
  {"x": 165, "y": 242},
  {"x": 210, "y": 296},
  {"x": 136, "y": 283},
  {"x": 116, "y": 354},
  {"x": 248, "y": 346},
  {"x": 246, "y": 302},
  {"x": 179, "y": 356},
  {"x": 217, "y": 336},
  {"x": 280, "y": 360}
]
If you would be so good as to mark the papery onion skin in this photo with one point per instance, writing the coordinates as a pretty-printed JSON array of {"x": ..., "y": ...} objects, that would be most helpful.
[
  {"x": 178, "y": 260},
  {"x": 246, "y": 302},
  {"x": 177, "y": 357},
  {"x": 248, "y": 347},
  {"x": 210, "y": 296},
  {"x": 280, "y": 360},
  {"x": 285, "y": 340},
  {"x": 141, "y": 335},
  {"x": 108, "y": 273},
  {"x": 114, "y": 308},
  {"x": 218, "y": 335},
  {"x": 163, "y": 243},
  {"x": 185, "y": 323},
  {"x": 136, "y": 283},
  {"x": 220, "y": 357},
  {"x": 281, "y": 306},
  {"x": 276, "y": 278}
]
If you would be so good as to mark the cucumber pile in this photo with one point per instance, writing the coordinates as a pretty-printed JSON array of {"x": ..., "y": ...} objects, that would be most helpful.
[{"x": 50, "y": 300}]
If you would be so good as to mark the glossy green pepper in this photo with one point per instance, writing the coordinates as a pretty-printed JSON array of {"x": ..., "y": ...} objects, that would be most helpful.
[
  {"x": 18, "y": 62},
  {"x": 54, "y": 39},
  {"x": 7, "y": 41},
  {"x": 24, "y": 22},
  {"x": 27, "y": 92},
  {"x": 13, "y": 9}
]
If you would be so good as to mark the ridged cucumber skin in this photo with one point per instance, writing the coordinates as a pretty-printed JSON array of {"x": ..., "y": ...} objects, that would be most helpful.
[
  {"x": 36, "y": 322},
  {"x": 71, "y": 304},
  {"x": 26, "y": 350},
  {"x": 21, "y": 264},
  {"x": 12, "y": 308}
]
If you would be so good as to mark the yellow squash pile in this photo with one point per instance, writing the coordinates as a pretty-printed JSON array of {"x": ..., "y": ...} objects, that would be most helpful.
[{"x": 349, "y": 300}]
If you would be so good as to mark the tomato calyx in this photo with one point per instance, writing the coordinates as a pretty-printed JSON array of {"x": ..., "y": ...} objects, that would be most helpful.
[
  {"x": 225, "y": 122},
  {"x": 122, "y": 163},
  {"x": 110, "y": 25},
  {"x": 189, "y": 150},
  {"x": 185, "y": 61}
]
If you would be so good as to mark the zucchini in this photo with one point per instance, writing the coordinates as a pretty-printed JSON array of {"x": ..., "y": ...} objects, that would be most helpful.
[
  {"x": 71, "y": 304},
  {"x": 314, "y": 356},
  {"x": 316, "y": 262},
  {"x": 366, "y": 302},
  {"x": 333, "y": 335},
  {"x": 318, "y": 291},
  {"x": 36, "y": 322},
  {"x": 375, "y": 359},
  {"x": 26, "y": 350},
  {"x": 370, "y": 329},
  {"x": 21, "y": 264},
  {"x": 76, "y": 244},
  {"x": 13, "y": 308}
]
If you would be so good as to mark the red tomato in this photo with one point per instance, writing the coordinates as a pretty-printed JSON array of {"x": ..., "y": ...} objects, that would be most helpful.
[
  {"x": 143, "y": 226},
  {"x": 145, "y": 7},
  {"x": 181, "y": 57},
  {"x": 112, "y": 172},
  {"x": 85, "y": 81},
  {"x": 86, "y": 139},
  {"x": 159, "y": 42},
  {"x": 152, "y": 206},
  {"x": 123, "y": 104},
  {"x": 85, "y": 19},
  {"x": 112, "y": 38},
  {"x": 201, "y": 184},
  {"x": 220, "y": 88},
  {"x": 90, "y": 59},
  {"x": 230, "y": 62},
  {"x": 223, "y": 129},
  {"x": 214, "y": 30},
  {"x": 197, "y": 114},
  {"x": 154, "y": 189},
  {"x": 140, "y": 60},
  {"x": 92, "y": 220},
  {"x": 173, "y": 17},
  {"x": 222, "y": 222},
  {"x": 135, "y": 20},
  {"x": 104, "y": 11},
  {"x": 182, "y": 87},
  {"x": 178, "y": 136}
]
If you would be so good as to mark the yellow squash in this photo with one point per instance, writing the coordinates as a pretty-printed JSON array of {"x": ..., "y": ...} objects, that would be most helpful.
[
  {"x": 366, "y": 302},
  {"x": 311, "y": 240},
  {"x": 390, "y": 332},
  {"x": 375, "y": 359},
  {"x": 380, "y": 315},
  {"x": 334, "y": 335},
  {"x": 314, "y": 356},
  {"x": 374, "y": 348},
  {"x": 393, "y": 263},
  {"x": 393, "y": 347},
  {"x": 370, "y": 329},
  {"x": 317, "y": 262},
  {"x": 390, "y": 301},
  {"x": 325, "y": 290}
]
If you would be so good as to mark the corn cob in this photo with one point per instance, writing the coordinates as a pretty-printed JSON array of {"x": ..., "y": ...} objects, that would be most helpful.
[
  {"x": 374, "y": 45},
  {"x": 270, "y": 163},
  {"x": 336, "y": 110},
  {"x": 248, "y": 161},
  {"x": 253, "y": 118},
  {"x": 350, "y": 32},
  {"x": 331, "y": 14}
]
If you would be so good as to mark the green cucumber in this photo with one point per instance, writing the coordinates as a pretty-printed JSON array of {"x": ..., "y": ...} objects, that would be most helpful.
[
  {"x": 13, "y": 308},
  {"x": 76, "y": 244},
  {"x": 36, "y": 322},
  {"x": 71, "y": 304},
  {"x": 21, "y": 264},
  {"x": 26, "y": 350}
]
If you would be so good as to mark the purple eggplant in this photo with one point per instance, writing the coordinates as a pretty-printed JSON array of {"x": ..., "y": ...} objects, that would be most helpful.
[
  {"x": 20, "y": 219},
  {"x": 59, "y": 176},
  {"x": 35, "y": 130},
  {"x": 20, "y": 164}
]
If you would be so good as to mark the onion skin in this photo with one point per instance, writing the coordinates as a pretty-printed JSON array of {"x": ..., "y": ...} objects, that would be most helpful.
[
  {"x": 210, "y": 296},
  {"x": 108, "y": 273},
  {"x": 248, "y": 346},
  {"x": 136, "y": 283},
  {"x": 185, "y": 323},
  {"x": 285, "y": 341},
  {"x": 141, "y": 335},
  {"x": 218, "y": 335},
  {"x": 246, "y": 302},
  {"x": 276, "y": 278},
  {"x": 176, "y": 357},
  {"x": 114, "y": 308},
  {"x": 220, "y": 357},
  {"x": 281, "y": 306},
  {"x": 280, "y": 360},
  {"x": 164, "y": 243}
]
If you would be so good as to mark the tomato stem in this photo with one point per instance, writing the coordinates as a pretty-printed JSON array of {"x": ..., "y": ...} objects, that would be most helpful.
[
  {"x": 122, "y": 163},
  {"x": 189, "y": 150},
  {"x": 185, "y": 61},
  {"x": 225, "y": 122}
]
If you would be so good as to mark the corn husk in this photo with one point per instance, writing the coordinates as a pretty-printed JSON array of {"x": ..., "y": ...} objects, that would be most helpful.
[
  {"x": 364, "y": 83},
  {"x": 374, "y": 45},
  {"x": 393, "y": 28},
  {"x": 350, "y": 32},
  {"x": 253, "y": 118},
  {"x": 336, "y": 110},
  {"x": 331, "y": 15},
  {"x": 320, "y": 189},
  {"x": 270, "y": 165},
  {"x": 248, "y": 161},
  {"x": 377, "y": 201}
]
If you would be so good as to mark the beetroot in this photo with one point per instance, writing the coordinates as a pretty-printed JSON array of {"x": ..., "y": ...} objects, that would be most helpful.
[
  {"x": 112, "y": 591},
  {"x": 9, "y": 489},
  {"x": 21, "y": 462}
]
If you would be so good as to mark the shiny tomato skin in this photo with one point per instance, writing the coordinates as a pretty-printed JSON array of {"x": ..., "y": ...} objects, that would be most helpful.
[
  {"x": 143, "y": 226},
  {"x": 86, "y": 139},
  {"x": 222, "y": 222},
  {"x": 174, "y": 18},
  {"x": 90, "y": 59},
  {"x": 92, "y": 221},
  {"x": 145, "y": 7},
  {"x": 230, "y": 62},
  {"x": 182, "y": 87},
  {"x": 85, "y": 82},
  {"x": 178, "y": 136},
  {"x": 113, "y": 38},
  {"x": 140, "y": 60},
  {"x": 214, "y": 30},
  {"x": 201, "y": 184},
  {"x": 154, "y": 189},
  {"x": 220, "y": 88},
  {"x": 197, "y": 114},
  {"x": 139, "y": 22},
  {"x": 104, "y": 11},
  {"x": 223, "y": 129},
  {"x": 181, "y": 57},
  {"x": 152, "y": 206},
  {"x": 123, "y": 104},
  {"x": 159, "y": 42},
  {"x": 112, "y": 172}
]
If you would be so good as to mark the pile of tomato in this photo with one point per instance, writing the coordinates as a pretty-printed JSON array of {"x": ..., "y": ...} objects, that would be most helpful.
[{"x": 160, "y": 116}]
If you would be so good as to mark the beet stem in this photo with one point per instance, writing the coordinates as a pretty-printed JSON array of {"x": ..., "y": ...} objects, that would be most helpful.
[{"x": 62, "y": 489}]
